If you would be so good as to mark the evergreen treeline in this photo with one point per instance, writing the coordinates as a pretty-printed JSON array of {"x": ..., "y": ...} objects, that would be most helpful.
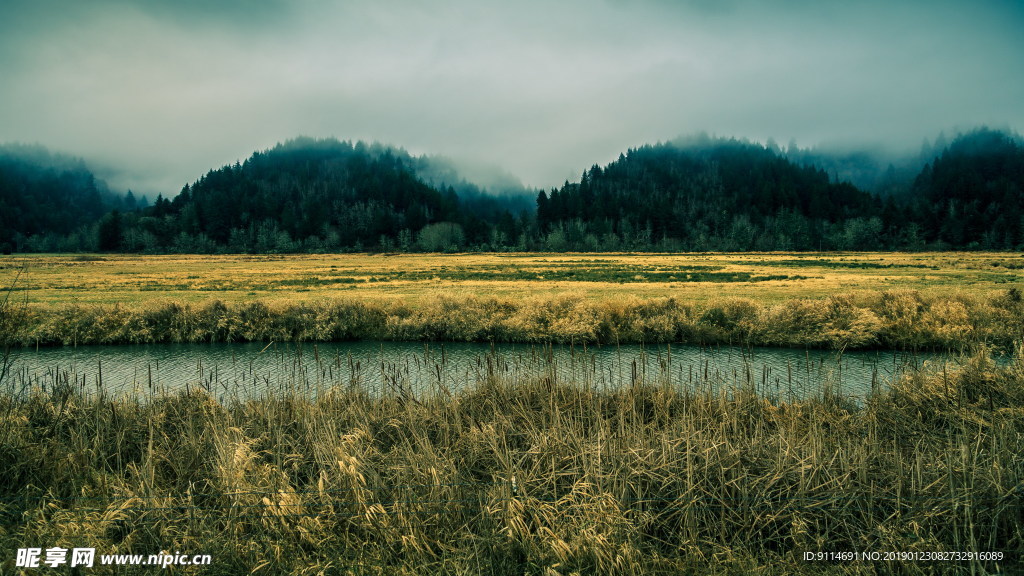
[
  {"x": 323, "y": 195},
  {"x": 717, "y": 194},
  {"x": 972, "y": 195},
  {"x": 703, "y": 194},
  {"x": 46, "y": 197},
  {"x": 320, "y": 195}
]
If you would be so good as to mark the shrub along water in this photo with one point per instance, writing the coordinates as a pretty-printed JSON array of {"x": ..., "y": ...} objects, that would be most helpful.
[
  {"x": 537, "y": 476},
  {"x": 901, "y": 319}
]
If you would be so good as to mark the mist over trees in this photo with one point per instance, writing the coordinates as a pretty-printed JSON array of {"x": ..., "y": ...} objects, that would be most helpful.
[
  {"x": 49, "y": 202},
  {"x": 701, "y": 194},
  {"x": 706, "y": 193},
  {"x": 694, "y": 194},
  {"x": 320, "y": 195},
  {"x": 972, "y": 194}
]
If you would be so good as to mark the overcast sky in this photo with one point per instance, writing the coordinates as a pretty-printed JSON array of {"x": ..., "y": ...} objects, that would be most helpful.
[{"x": 167, "y": 89}]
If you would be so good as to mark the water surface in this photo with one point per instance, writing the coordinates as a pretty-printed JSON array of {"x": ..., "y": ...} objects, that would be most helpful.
[{"x": 254, "y": 369}]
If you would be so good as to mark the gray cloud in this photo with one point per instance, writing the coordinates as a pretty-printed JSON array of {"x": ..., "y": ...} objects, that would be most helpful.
[{"x": 166, "y": 90}]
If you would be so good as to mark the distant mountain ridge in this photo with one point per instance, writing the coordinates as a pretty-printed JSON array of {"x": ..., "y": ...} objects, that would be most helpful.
[{"x": 696, "y": 193}]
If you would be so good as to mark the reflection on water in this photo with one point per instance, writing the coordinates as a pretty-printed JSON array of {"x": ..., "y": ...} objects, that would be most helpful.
[{"x": 418, "y": 369}]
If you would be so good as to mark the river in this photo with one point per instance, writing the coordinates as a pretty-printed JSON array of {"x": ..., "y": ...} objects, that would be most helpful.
[{"x": 253, "y": 369}]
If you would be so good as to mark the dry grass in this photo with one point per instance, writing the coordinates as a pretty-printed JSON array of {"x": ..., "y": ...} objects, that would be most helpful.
[
  {"x": 108, "y": 279},
  {"x": 535, "y": 477},
  {"x": 898, "y": 319},
  {"x": 938, "y": 300}
]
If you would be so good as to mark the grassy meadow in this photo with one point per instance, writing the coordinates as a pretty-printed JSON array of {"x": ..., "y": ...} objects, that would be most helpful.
[
  {"x": 523, "y": 475},
  {"x": 910, "y": 301},
  {"x": 764, "y": 277}
]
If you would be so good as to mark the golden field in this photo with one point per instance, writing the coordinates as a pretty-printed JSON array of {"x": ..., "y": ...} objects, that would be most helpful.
[
  {"x": 950, "y": 301},
  {"x": 764, "y": 277}
]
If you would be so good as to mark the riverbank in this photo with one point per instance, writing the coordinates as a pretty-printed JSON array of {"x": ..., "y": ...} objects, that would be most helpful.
[{"x": 892, "y": 319}]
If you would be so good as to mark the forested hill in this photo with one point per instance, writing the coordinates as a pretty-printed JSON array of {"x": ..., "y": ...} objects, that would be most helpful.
[
  {"x": 46, "y": 195},
  {"x": 320, "y": 195},
  {"x": 726, "y": 194},
  {"x": 701, "y": 194},
  {"x": 973, "y": 193},
  {"x": 326, "y": 195}
]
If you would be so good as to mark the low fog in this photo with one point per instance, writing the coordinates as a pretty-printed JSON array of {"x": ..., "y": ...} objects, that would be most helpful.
[{"x": 155, "y": 93}]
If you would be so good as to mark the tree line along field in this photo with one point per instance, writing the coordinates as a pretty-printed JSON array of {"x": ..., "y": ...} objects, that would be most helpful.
[
  {"x": 830, "y": 300},
  {"x": 693, "y": 194}
]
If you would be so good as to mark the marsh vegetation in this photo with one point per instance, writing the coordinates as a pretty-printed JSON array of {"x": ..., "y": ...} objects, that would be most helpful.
[
  {"x": 541, "y": 475},
  {"x": 839, "y": 301}
]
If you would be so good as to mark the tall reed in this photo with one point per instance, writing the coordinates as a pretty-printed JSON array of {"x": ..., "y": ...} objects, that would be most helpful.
[{"x": 900, "y": 319}]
